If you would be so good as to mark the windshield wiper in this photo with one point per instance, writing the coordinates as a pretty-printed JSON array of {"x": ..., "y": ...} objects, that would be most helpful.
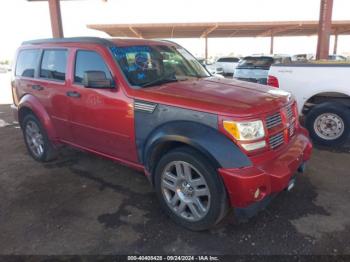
[
  {"x": 159, "y": 82},
  {"x": 162, "y": 80}
]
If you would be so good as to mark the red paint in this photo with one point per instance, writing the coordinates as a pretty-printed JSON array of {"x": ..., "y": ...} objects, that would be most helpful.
[
  {"x": 102, "y": 120},
  {"x": 273, "y": 81},
  {"x": 272, "y": 173}
]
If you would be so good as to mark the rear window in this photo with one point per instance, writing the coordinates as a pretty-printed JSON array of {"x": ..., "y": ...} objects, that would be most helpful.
[
  {"x": 27, "y": 62},
  {"x": 228, "y": 59},
  {"x": 254, "y": 62},
  {"x": 53, "y": 65}
]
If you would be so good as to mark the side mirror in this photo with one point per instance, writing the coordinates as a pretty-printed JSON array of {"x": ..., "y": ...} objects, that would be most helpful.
[{"x": 97, "y": 79}]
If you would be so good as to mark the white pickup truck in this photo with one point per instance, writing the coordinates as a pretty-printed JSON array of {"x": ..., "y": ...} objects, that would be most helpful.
[{"x": 322, "y": 91}]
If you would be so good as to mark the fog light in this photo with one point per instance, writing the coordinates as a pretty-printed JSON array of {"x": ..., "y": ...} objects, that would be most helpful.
[
  {"x": 257, "y": 193},
  {"x": 254, "y": 146}
]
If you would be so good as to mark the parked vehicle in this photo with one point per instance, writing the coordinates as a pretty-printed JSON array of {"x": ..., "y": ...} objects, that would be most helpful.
[
  {"x": 323, "y": 96},
  {"x": 337, "y": 58},
  {"x": 303, "y": 57},
  {"x": 211, "y": 67},
  {"x": 255, "y": 68},
  {"x": 4, "y": 68},
  {"x": 228, "y": 64},
  {"x": 205, "y": 144}
]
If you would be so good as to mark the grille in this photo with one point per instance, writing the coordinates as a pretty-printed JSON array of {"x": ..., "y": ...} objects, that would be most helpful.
[
  {"x": 276, "y": 140},
  {"x": 273, "y": 120},
  {"x": 291, "y": 129},
  {"x": 289, "y": 112}
]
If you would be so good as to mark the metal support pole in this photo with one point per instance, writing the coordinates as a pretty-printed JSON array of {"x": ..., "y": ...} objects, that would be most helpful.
[
  {"x": 56, "y": 19},
  {"x": 271, "y": 44},
  {"x": 335, "y": 44},
  {"x": 206, "y": 48},
  {"x": 324, "y": 29}
]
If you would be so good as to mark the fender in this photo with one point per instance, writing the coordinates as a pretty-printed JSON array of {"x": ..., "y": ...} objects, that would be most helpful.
[
  {"x": 209, "y": 141},
  {"x": 32, "y": 103}
]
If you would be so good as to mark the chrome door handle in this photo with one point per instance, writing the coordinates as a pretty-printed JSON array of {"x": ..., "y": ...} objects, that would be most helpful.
[
  {"x": 73, "y": 94},
  {"x": 37, "y": 87}
]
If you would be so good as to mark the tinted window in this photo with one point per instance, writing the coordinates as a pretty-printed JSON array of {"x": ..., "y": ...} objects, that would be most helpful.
[
  {"x": 228, "y": 59},
  {"x": 53, "y": 64},
  {"x": 26, "y": 63},
  {"x": 89, "y": 61},
  {"x": 154, "y": 65},
  {"x": 256, "y": 62},
  {"x": 282, "y": 60}
]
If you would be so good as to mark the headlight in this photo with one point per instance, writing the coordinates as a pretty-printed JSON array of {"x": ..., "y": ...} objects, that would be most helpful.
[{"x": 245, "y": 131}]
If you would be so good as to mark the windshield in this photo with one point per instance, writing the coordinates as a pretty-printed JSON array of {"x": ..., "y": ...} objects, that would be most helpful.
[
  {"x": 256, "y": 62},
  {"x": 153, "y": 65}
]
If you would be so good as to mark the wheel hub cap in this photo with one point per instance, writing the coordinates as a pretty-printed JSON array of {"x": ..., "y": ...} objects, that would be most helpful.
[
  {"x": 329, "y": 126},
  {"x": 34, "y": 138},
  {"x": 185, "y": 190}
]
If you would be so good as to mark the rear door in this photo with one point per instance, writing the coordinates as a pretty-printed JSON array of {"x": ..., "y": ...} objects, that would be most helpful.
[{"x": 50, "y": 88}]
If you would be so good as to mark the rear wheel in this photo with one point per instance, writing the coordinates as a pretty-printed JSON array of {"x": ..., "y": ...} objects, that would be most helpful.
[
  {"x": 189, "y": 189},
  {"x": 36, "y": 139},
  {"x": 329, "y": 124}
]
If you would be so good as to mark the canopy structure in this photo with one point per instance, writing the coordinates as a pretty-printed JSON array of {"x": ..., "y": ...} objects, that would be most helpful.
[
  {"x": 219, "y": 29},
  {"x": 324, "y": 28},
  {"x": 222, "y": 29}
]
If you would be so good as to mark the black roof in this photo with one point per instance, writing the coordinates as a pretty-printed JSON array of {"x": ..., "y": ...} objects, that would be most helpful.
[{"x": 92, "y": 40}]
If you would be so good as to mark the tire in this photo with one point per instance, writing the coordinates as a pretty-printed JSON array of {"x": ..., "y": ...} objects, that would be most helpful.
[
  {"x": 32, "y": 129},
  {"x": 329, "y": 124},
  {"x": 190, "y": 213}
]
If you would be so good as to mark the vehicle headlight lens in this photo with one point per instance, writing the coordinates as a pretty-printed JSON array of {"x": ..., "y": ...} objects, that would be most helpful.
[{"x": 245, "y": 131}]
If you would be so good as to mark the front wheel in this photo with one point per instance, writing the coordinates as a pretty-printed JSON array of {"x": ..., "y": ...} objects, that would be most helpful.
[
  {"x": 189, "y": 189},
  {"x": 329, "y": 124}
]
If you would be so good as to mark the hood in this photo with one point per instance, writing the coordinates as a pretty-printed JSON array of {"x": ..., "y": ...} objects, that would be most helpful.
[{"x": 220, "y": 96}]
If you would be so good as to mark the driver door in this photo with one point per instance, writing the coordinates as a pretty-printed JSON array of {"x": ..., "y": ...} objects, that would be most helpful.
[{"x": 100, "y": 117}]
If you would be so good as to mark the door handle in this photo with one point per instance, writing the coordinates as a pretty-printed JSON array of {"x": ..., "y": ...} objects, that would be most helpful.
[
  {"x": 37, "y": 87},
  {"x": 73, "y": 94}
]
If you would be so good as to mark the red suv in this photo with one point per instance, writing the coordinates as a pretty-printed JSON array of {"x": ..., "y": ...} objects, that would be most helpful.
[{"x": 205, "y": 143}]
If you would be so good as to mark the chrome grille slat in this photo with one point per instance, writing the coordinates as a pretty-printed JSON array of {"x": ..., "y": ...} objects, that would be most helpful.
[
  {"x": 289, "y": 111},
  {"x": 273, "y": 120},
  {"x": 291, "y": 129},
  {"x": 276, "y": 140}
]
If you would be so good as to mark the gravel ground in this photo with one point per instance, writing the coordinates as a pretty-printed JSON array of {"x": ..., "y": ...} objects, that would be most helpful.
[{"x": 82, "y": 204}]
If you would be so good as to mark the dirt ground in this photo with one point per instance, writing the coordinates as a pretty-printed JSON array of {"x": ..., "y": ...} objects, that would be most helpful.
[{"x": 81, "y": 204}]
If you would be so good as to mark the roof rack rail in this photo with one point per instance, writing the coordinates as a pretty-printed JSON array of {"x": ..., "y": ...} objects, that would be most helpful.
[{"x": 93, "y": 40}]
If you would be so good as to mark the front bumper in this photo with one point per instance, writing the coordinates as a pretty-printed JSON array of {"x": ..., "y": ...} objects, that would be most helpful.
[{"x": 270, "y": 176}]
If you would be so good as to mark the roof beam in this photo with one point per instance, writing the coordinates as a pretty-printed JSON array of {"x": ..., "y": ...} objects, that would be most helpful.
[
  {"x": 209, "y": 30},
  {"x": 341, "y": 31},
  {"x": 136, "y": 32},
  {"x": 274, "y": 31}
]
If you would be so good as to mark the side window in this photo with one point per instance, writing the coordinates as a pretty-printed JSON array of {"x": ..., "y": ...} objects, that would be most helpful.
[
  {"x": 53, "y": 65},
  {"x": 89, "y": 61},
  {"x": 27, "y": 61}
]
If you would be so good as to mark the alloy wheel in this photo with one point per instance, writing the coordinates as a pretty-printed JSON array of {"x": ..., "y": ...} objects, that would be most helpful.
[{"x": 185, "y": 190}]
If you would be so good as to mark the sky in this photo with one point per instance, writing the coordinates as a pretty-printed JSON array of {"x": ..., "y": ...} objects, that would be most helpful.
[{"x": 22, "y": 20}]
